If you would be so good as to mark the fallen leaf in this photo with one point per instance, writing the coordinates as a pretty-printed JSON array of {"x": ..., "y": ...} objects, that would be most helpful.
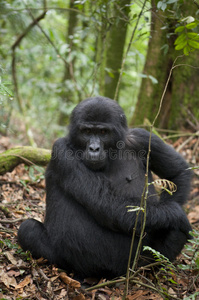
[
  {"x": 13, "y": 273},
  {"x": 23, "y": 283},
  {"x": 7, "y": 280},
  {"x": 137, "y": 295},
  {"x": 10, "y": 257},
  {"x": 54, "y": 278},
  {"x": 102, "y": 297},
  {"x": 193, "y": 216},
  {"x": 172, "y": 292},
  {"x": 79, "y": 297},
  {"x": 71, "y": 282}
]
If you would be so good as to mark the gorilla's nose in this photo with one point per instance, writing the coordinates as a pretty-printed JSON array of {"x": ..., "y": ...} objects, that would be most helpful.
[{"x": 94, "y": 147}]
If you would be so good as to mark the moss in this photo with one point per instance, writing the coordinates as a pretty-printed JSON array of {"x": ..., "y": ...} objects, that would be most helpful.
[{"x": 27, "y": 155}]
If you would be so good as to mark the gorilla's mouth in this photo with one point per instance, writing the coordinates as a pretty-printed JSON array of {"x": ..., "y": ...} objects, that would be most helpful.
[
  {"x": 95, "y": 157},
  {"x": 95, "y": 161}
]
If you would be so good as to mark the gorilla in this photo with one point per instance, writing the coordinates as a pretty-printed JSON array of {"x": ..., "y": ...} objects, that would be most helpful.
[{"x": 94, "y": 174}]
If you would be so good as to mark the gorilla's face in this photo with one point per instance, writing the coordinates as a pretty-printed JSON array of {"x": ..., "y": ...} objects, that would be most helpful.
[
  {"x": 95, "y": 140},
  {"x": 97, "y": 124}
]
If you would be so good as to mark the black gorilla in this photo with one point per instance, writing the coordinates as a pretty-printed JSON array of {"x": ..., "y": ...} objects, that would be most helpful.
[{"x": 94, "y": 174}]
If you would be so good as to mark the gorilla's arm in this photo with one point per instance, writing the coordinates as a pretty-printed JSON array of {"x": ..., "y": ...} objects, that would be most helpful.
[
  {"x": 166, "y": 163},
  {"x": 94, "y": 192}
]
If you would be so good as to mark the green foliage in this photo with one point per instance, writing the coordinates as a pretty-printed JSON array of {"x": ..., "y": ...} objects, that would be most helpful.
[
  {"x": 158, "y": 256},
  {"x": 35, "y": 173},
  {"x": 8, "y": 244},
  {"x": 164, "y": 3},
  {"x": 4, "y": 88},
  {"x": 192, "y": 297},
  {"x": 45, "y": 90},
  {"x": 167, "y": 270},
  {"x": 191, "y": 254},
  {"x": 6, "y": 98},
  {"x": 188, "y": 37}
]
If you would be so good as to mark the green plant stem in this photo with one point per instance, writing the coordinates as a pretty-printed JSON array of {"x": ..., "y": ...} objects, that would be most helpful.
[{"x": 122, "y": 279}]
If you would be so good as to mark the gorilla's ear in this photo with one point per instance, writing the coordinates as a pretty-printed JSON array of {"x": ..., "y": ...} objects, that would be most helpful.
[{"x": 123, "y": 120}]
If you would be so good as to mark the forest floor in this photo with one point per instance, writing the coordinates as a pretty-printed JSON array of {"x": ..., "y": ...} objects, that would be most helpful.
[{"x": 22, "y": 196}]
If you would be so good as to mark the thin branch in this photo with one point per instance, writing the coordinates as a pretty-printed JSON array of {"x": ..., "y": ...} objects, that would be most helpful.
[
  {"x": 7, "y": 230},
  {"x": 15, "y": 81},
  {"x": 7, "y": 221},
  {"x": 140, "y": 283},
  {"x": 27, "y": 30},
  {"x": 50, "y": 8},
  {"x": 195, "y": 134},
  {"x": 185, "y": 143},
  {"x": 122, "y": 279},
  {"x": 162, "y": 293},
  {"x": 196, "y": 4}
]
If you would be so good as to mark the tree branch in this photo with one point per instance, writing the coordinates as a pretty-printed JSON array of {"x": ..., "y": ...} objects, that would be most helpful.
[
  {"x": 27, "y": 30},
  {"x": 27, "y": 155}
]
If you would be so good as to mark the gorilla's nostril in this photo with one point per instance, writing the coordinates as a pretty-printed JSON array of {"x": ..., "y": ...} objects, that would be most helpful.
[{"x": 94, "y": 148}]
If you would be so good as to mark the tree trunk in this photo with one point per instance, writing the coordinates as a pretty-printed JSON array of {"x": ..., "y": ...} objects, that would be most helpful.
[
  {"x": 115, "y": 46},
  {"x": 68, "y": 95},
  {"x": 27, "y": 155},
  {"x": 181, "y": 96}
]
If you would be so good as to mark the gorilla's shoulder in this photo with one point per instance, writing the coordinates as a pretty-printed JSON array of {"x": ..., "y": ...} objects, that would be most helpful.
[
  {"x": 137, "y": 137},
  {"x": 61, "y": 143},
  {"x": 139, "y": 132}
]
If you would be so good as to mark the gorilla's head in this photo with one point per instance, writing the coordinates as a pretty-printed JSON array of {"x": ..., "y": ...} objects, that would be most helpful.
[{"x": 97, "y": 125}]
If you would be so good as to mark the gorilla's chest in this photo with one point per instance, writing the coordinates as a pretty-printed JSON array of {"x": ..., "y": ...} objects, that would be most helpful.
[{"x": 127, "y": 176}]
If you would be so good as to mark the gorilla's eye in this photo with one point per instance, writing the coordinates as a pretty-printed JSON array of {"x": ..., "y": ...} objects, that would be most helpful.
[
  {"x": 86, "y": 131},
  {"x": 103, "y": 131}
]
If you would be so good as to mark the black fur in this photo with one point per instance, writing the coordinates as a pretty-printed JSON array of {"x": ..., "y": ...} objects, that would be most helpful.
[{"x": 94, "y": 174}]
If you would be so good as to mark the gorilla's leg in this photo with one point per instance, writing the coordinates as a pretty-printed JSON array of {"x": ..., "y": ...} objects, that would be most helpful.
[
  {"x": 32, "y": 236},
  {"x": 168, "y": 242}
]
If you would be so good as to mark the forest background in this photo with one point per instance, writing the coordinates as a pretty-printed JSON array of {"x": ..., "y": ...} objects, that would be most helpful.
[{"x": 56, "y": 53}]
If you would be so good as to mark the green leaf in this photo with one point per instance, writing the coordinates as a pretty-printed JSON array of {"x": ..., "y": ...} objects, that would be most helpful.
[
  {"x": 193, "y": 35},
  {"x": 191, "y": 25},
  {"x": 172, "y": 281},
  {"x": 159, "y": 4},
  {"x": 193, "y": 44},
  {"x": 164, "y": 6},
  {"x": 153, "y": 79},
  {"x": 188, "y": 19},
  {"x": 186, "y": 50},
  {"x": 165, "y": 48},
  {"x": 171, "y": 1},
  {"x": 182, "y": 37},
  {"x": 180, "y": 29},
  {"x": 181, "y": 45},
  {"x": 197, "y": 262}
]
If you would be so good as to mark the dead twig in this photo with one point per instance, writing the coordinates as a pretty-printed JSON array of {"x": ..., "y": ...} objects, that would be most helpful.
[{"x": 7, "y": 221}]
